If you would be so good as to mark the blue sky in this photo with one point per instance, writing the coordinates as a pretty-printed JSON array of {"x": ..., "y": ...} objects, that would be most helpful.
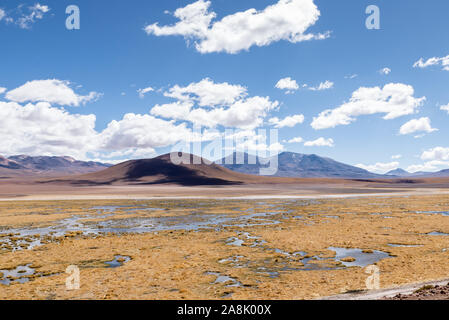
[{"x": 98, "y": 69}]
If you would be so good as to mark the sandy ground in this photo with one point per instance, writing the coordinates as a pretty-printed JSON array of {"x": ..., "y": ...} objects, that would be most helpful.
[
  {"x": 270, "y": 249},
  {"x": 29, "y": 189}
]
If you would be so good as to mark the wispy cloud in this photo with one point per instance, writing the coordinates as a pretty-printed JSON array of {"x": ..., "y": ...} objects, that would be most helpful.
[
  {"x": 443, "y": 61},
  {"x": 142, "y": 92},
  {"x": 24, "y": 16}
]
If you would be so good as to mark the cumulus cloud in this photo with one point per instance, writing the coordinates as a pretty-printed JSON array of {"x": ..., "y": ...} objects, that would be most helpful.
[
  {"x": 296, "y": 140},
  {"x": 244, "y": 114},
  {"x": 385, "y": 71},
  {"x": 291, "y": 85},
  {"x": 40, "y": 129},
  {"x": 394, "y": 100},
  {"x": 445, "y": 108},
  {"x": 253, "y": 145},
  {"x": 141, "y": 131},
  {"x": 142, "y": 92},
  {"x": 219, "y": 104},
  {"x": 289, "y": 121},
  {"x": 437, "y": 153},
  {"x": 2, "y": 90},
  {"x": 53, "y": 91},
  {"x": 379, "y": 167},
  {"x": 287, "y": 84},
  {"x": 443, "y": 61},
  {"x": 417, "y": 125},
  {"x": 208, "y": 93},
  {"x": 434, "y": 159},
  {"x": 176, "y": 110},
  {"x": 285, "y": 20},
  {"x": 433, "y": 165},
  {"x": 320, "y": 142}
]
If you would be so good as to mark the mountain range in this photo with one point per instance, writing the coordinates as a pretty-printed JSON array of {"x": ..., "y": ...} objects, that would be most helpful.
[
  {"x": 289, "y": 165},
  {"x": 298, "y": 165},
  {"x": 22, "y": 165},
  {"x": 420, "y": 174}
]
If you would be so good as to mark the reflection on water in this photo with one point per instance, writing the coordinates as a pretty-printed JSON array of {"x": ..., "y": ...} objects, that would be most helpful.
[
  {"x": 84, "y": 225},
  {"x": 118, "y": 261},
  {"x": 20, "y": 274},
  {"x": 361, "y": 259}
]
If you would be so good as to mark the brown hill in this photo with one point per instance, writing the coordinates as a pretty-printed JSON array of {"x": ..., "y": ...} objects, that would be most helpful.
[
  {"x": 200, "y": 172},
  {"x": 161, "y": 170}
]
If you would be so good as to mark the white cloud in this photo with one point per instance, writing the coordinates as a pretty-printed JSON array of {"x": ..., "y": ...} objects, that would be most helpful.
[
  {"x": 2, "y": 14},
  {"x": 443, "y": 61},
  {"x": 435, "y": 159},
  {"x": 394, "y": 99},
  {"x": 43, "y": 129},
  {"x": 129, "y": 154},
  {"x": 33, "y": 14},
  {"x": 289, "y": 121},
  {"x": 40, "y": 129},
  {"x": 417, "y": 125},
  {"x": 287, "y": 84},
  {"x": 253, "y": 145},
  {"x": 142, "y": 92},
  {"x": 291, "y": 85},
  {"x": 219, "y": 104},
  {"x": 53, "y": 91},
  {"x": 385, "y": 71},
  {"x": 208, "y": 93},
  {"x": 396, "y": 156},
  {"x": 2, "y": 90},
  {"x": 380, "y": 167},
  {"x": 141, "y": 131},
  {"x": 445, "y": 108},
  {"x": 351, "y": 76},
  {"x": 285, "y": 20},
  {"x": 296, "y": 140},
  {"x": 244, "y": 114},
  {"x": 323, "y": 86},
  {"x": 437, "y": 153},
  {"x": 178, "y": 110},
  {"x": 320, "y": 142},
  {"x": 433, "y": 165}
]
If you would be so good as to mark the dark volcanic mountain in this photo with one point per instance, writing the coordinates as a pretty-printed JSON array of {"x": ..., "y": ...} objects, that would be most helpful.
[
  {"x": 46, "y": 166},
  {"x": 292, "y": 164},
  {"x": 161, "y": 170}
]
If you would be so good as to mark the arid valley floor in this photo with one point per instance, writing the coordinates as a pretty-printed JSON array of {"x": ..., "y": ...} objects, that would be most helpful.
[{"x": 129, "y": 247}]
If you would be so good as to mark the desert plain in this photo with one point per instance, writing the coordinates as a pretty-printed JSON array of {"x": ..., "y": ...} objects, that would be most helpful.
[{"x": 307, "y": 240}]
